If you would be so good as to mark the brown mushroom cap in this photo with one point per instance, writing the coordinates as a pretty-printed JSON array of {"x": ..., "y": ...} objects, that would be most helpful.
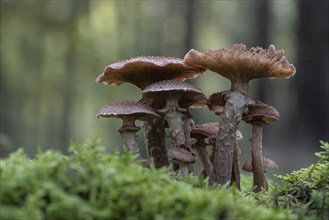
[
  {"x": 267, "y": 163},
  {"x": 204, "y": 130},
  {"x": 136, "y": 110},
  {"x": 261, "y": 114},
  {"x": 143, "y": 71},
  {"x": 241, "y": 65},
  {"x": 216, "y": 101},
  {"x": 181, "y": 154},
  {"x": 158, "y": 92}
]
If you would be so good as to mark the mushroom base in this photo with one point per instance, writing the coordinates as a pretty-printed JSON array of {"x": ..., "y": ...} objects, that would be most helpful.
[{"x": 155, "y": 142}]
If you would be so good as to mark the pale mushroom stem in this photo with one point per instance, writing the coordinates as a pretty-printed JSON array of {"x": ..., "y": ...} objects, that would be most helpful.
[
  {"x": 129, "y": 139},
  {"x": 229, "y": 121},
  {"x": 155, "y": 142},
  {"x": 175, "y": 122},
  {"x": 257, "y": 160},
  {"x": 183, "y": 169},
  {"x": 200, "y": 147},
  {"x": 235, "y": 179}
]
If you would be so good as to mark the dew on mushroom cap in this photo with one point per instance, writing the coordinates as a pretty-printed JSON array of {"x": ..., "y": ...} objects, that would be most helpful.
[{"x": 143, "y": 71}]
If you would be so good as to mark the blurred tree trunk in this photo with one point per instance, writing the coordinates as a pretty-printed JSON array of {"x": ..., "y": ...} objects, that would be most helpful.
[
  {"x": 262, "y": 21},
  {"x": 190, "y": 12},
  {"x": 312, "y": 69}
]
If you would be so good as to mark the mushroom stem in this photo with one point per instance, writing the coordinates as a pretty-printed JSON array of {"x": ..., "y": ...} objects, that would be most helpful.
[
  {"x": 129, "y": 139},
  {"x": 187, "y": 133},
  {"x": 175, "y": 122},
  {"x": 256, "y": 156},
  {"x": 235, "y": 179},
  {"x": 200, "y": 147},
  {"x": 155, "y": 142},
  {"x": 183, "y": 169},
  {"x": 229, "y": 121}
]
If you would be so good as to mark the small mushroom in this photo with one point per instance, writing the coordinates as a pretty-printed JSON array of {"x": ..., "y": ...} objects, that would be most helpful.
[
  {"x": 183, "y": 157},
  {"x": 142, "y": 72},
  {"x": 267, "y": 164},
  {"x": 239, "y": 66},
  {"x": 216, "y": 101},
  {"x": 129, "y": 112},
  {"x": 200, "y": 133},
  {"x": 259, "y": 115}
]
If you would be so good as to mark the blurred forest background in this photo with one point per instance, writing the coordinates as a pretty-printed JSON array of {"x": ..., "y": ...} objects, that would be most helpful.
[{"x": 52, "y": 52}]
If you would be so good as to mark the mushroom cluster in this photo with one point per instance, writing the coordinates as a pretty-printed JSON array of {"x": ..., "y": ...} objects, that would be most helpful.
[{"x": 167, "y": 98}]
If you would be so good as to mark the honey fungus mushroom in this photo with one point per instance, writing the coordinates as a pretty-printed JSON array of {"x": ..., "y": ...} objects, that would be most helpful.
[
  {"x": 142, "y": 72},
  {"x": 239, "y": 66},
  {"x": 258, "y": 115},
  {"x": 129, "y": 112}
]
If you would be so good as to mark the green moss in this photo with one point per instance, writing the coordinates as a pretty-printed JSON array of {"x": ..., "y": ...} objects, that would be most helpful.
[{"x": 91, "y": 184}]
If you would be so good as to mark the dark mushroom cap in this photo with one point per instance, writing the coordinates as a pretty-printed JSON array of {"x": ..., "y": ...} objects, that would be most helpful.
[
  {"x": 143, "y": 71},
  {"x": 137, "y": 110},
  {"x": 205, "y": 130},
  {"x": 267, "y": 163},
  {"x": 261, "y": 114},
  {"x": 181, "y": 154},
  {"x": 216, "y": 101},
  {"x": 241, "y": 65},
  {"x": 159, "y": 92}
]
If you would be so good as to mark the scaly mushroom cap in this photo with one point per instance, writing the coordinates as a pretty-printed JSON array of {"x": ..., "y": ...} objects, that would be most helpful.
[
  {"x": 158, "y": 93},
  {"x": 261, "y": 114},
  {"x": 204, "y": 130},
  {"x": 216, "y": 102},
  {"x": 267, "y": 163},
  {"x": 136, "y": 110},
  {"x": 143, "y": 71},
  {"x": 182, "y": 154},
  {"x": 241, "y": 65}
]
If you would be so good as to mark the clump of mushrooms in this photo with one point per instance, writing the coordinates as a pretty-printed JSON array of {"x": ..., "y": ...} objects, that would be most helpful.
[
  {"x": 166, "y": 98},
  {"x": 239, "y": 66},
  {"x": 142, "y": 72}
]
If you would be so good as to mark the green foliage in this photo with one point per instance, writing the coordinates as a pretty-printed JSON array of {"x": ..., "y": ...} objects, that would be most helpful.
[
  {"x": 90, "y": 184},
  {"x": 307, "y": 190}
]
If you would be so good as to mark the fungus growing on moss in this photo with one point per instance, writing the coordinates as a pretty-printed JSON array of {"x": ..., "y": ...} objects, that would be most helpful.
[
  {"x": 239, "y": 66},
  {"x": 129, "y": 112},
  {"x": 142, "y": 72},
  {"x": 258, "y": 115}
]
